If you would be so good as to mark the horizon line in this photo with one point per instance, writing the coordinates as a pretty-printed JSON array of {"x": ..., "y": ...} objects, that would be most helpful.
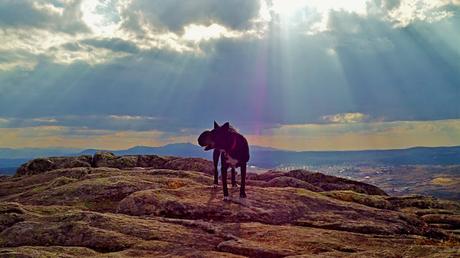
[{"x": 260, "y": 146}]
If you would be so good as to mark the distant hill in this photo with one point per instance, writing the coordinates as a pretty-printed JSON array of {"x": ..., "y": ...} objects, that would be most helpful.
[
  {"x": 27, "y": 153},
  {"x": 261, "y": 156},
  {"x": 176, "y": 149},
  {"x": 411, "y": 156},
  {"x": 270, "y": 157},
  {"x": 9, "y": 166}
]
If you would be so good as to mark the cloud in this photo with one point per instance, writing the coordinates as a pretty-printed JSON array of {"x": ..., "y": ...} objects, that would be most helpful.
[
  {"x": 113, "y": 44},
  {"x": 57, "y": 136},
  {"x": 17, "y": 13},
  {"x": 96, "y": 122},
  {"x": 3, "y": 121},
  {"x": 175, "y": 15},
  {"x": 25, "y": 47},
  {"x": 354, "y": 136},
  {"x": 14, "y": 122},
  {"x": 345, "y": 118},
  {"x": 45, "y": 120},
  {"x": 196, "y": 33},
  {"x": 16, "y": 61},
  {"x": 85, "y": 53},
  {"x": 313, "y": 17},
  {"x": 63, "y": 16},
  {"x": 104, "y": 34},
  {"x": 360, "y": 136},
  {"x": 98, "y": 32},
  {"x": 405, "y": 12},
  {"x": 130, "y": 118}
]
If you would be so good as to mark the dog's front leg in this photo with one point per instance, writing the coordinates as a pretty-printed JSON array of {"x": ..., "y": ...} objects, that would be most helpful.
[
  {"x": 243, "y": 181},
  {"x": 215, "y": 157}
]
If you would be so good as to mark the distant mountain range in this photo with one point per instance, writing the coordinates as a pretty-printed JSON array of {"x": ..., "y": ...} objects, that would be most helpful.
[
  {"x": 175, "y": 149},
  {"x": 262, "y": 157},
  {"x": 25, "y": 153}
]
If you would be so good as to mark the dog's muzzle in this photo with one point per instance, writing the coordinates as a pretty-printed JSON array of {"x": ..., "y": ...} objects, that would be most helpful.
[{"x": 208, "y": 147}]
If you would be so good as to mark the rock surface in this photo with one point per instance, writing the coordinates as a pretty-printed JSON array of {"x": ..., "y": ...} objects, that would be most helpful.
[
  {"x": 151, "y": 206},
  {"x": 108, "y": 159}
]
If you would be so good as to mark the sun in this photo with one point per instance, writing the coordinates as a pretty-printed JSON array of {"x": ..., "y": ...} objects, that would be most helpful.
[
  {"x": 101, "y": 16},
  {"x": 287, "y": 8}
]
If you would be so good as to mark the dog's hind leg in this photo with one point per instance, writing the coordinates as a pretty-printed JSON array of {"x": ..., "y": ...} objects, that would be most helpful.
[
  {"x": 224, "y": 168},
  {"x": 224, "y": 183},
  {"x": 243, "y": 181},
  {"x": 215, "y": 157},
  {"x": 234, "y": 177}
]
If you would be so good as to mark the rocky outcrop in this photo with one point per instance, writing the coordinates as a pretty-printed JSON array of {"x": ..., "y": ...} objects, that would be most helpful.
[
  {"x": 41, "y": 165},
  {"x": 108, "y": 159},
  {"x": 150, "y": 206},
  {"x": 252, "y": 249},
  {"x": 268, "y": 206},
  {"x": 313, "y": 181}
]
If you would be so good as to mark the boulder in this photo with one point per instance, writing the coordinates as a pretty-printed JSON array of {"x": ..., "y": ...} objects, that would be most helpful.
[
  {"x": 252, "y": 249},
  {"x": 108, "y": 159},
  {"x": 191, "y": 164},
  {"x": 41, "y": 165},
  {"x": 286, "y": 181},
  {"x": 73, "y": 233},
  {"x": 151, "y": 161},
  {"x": 423, "y": 202}
]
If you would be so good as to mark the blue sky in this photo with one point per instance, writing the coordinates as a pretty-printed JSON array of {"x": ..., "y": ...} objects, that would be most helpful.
[{"x": 301, "y": 75}]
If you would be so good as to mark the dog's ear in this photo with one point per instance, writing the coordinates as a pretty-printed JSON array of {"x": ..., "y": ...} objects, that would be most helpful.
[
  {"x": 216, "y": 125},
  {"x": 226, "y": 126}
]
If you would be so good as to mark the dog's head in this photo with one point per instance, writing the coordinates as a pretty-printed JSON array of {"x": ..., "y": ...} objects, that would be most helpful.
[
  {"x": 215, "y": 139},
  {"x": 206, "y": 140}
]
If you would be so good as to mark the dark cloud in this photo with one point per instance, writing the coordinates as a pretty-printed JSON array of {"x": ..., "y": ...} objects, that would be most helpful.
[
  {"x": 93, "y": 122},
  {"x": 390, "y": 4},
  {"x": 35, "y": 14},
  {"x": 114, "y": 44},
  {"x": 20, "y": 13},
  {"x": 173, "y": 15},
  {"x": 83, "y": 47}
]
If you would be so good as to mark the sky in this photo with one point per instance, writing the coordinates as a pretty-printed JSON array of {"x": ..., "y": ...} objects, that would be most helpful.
[{"x": 290, "y": 74}]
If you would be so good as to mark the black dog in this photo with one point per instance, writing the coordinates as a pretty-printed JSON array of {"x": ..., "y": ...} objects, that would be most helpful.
[
  {"x": 233, "y": 149},
  {"x": 205, "y": 140}
]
